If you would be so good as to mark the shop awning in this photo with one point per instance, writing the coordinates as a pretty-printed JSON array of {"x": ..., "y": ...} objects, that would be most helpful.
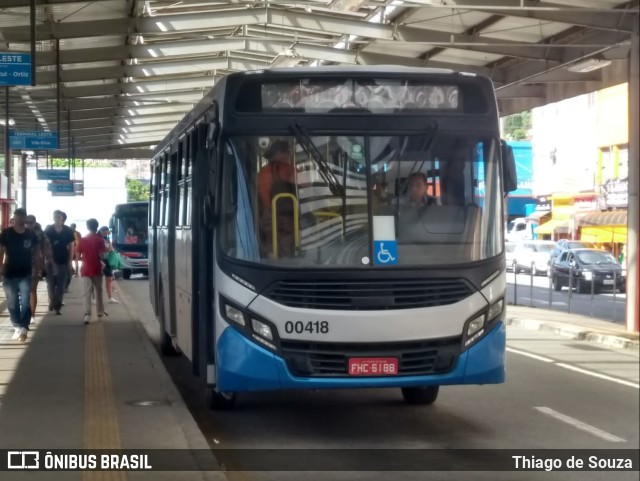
[
  {"x": 538, "y": 214},
  {"x": 559, "y": 226},
  {"x": 609, "y": 226},
  {"x": 610, "y": 217},
  {"x": 604, "y": 233}
]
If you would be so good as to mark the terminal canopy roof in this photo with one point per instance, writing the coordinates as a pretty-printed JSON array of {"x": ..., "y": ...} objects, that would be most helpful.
[{"x": 130, "y": 69}]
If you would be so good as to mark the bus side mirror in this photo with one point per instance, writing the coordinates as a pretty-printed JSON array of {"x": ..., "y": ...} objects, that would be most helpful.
[{"x": 509, "y": 174}]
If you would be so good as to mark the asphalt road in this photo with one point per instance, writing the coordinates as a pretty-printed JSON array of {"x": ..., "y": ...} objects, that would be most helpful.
[
  {"x": 607, "y": 305},
  {"x": 559, "y": 394}
]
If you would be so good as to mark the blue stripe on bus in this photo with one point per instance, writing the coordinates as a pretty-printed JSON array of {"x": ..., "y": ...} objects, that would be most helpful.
[{"x": 243, "y": 365}]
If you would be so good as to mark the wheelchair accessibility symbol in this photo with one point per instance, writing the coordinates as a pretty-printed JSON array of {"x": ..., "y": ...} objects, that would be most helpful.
[{"x": 385, "y": 252}]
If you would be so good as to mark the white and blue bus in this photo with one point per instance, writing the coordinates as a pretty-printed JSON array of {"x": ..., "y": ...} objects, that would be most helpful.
[
  {"x": 129, "y": 236},
  {"x": 338, "y": 269}
]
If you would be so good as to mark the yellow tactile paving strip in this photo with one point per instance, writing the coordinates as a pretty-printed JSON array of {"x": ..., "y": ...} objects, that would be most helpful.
[{"x": 100, "y": 416}]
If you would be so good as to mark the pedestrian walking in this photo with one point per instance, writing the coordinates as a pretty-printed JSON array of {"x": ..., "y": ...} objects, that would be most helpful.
[
  {"x": 17, "y": 244},
  {"x": 42, "y": 256},
  {"x": 74, "y": 272},
  {"x": 108, "y": 269},
  {"x": 92, "y": 252},
  {"x": 61, "y": 238}
]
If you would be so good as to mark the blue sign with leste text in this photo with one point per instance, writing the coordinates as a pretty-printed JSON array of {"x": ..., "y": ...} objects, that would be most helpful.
[
  {"x": 32, "y": 140},
  {"x": 15, "y": 68},
  {"x": 385, "y": 253}
]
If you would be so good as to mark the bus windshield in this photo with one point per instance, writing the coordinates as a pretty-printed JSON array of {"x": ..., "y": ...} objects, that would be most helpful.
[
  {"x": 130, "y": 224},
  {"x": 356, "y": 200}
]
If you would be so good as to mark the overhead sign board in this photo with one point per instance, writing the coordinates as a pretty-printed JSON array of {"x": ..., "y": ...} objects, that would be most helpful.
[
  {"x": 32, "y": 140},
  {"x": 53, "y": 174},
  {"x": 61, "y": 186},
  {"x": 15, "y": 68}
]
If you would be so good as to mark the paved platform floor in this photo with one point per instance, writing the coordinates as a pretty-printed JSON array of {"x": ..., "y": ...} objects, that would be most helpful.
[{"x": 96, "y": 386}]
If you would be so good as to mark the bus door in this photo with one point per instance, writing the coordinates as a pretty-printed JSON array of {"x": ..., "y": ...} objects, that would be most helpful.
[{"x": 204, "y": 157}]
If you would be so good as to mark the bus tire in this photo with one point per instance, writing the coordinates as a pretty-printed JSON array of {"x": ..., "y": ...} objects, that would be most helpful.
[
  {"x": 219, "y": 401},
  {"x": 126, "y": 274},
  {"x": 420, "y": 395}
]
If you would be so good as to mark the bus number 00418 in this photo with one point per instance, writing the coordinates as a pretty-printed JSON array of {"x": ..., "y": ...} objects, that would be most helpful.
[{"x": 312, "y": 327}]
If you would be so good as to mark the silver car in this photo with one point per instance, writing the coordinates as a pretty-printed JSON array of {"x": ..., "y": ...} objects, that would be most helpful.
[
  {"x": 532, "y": 256},
  {"x": 509, "y": 251}
]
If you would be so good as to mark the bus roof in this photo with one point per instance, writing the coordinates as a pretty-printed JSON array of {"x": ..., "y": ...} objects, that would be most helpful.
[{"x": 350, "y": 69}]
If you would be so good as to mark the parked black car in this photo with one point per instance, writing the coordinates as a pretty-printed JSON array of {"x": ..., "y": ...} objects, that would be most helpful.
[
  {"x": 564, "y": 244},
  {"x": 587, "y": 266}
]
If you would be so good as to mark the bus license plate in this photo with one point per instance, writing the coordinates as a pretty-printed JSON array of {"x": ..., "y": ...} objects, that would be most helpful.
[{"x": 373, "y": 366}]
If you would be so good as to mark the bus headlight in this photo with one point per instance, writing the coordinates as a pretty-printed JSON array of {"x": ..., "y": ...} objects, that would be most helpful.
[
  {"x": 233, "y": 314},
  {"x": 482, "y": 323},
  {"x": 261, "y": 329},
  {"x": 475, "y": 325},
  {"x": 494, "y": 310},
  {"x": 588, "y": 275},
  {"x": 262, "y": 333}
]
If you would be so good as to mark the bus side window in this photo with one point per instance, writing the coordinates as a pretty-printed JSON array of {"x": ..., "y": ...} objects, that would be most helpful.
[
  {"x": 182, "y": 160},
  {"x": 188, "y": 178}
]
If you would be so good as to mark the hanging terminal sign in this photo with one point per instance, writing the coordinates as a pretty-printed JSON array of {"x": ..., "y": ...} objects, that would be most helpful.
[{"x": 15, "y": 68}]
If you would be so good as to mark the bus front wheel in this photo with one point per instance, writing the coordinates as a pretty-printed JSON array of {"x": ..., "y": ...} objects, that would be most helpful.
[
  {"x": 220, "y": 401},
  {"x": 420, "y": 395}
]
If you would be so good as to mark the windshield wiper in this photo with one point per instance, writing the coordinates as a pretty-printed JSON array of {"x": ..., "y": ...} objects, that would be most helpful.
[{"x": 312, "y": 151}]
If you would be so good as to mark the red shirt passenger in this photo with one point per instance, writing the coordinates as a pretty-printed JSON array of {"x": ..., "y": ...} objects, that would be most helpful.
[{"x": 91, "y": 249}]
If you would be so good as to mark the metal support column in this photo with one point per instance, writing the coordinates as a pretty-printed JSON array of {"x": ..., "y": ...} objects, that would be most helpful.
[
  {"x": 32, "y": 16},
  {"x": 633, "y": 209},
  {"x": 7, "y": 147},
  {"x": 58, "y": 90},
  {"x": 23, "y": 174}
]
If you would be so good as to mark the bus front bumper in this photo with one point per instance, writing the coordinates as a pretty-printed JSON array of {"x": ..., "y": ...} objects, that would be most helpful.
[{"x": 242, "y": 365}]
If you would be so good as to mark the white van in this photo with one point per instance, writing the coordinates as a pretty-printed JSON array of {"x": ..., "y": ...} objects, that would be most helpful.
[{"x": 519, "y": 229}]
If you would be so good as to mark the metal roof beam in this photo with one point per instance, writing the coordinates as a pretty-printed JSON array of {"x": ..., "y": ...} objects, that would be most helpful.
[
  {"x": 336, "y": 24},
  {"x": 528, "y": 71},
  {"x": 522, "y": 91},
  {"x": 25, "y": 3},
  {"x": 177, "y": 50},
  {"x": 138, "y": 71},
  {"x": 373, "y": 58},
  {"x": 609, "y": 19},
  {"x": 394, "y": 34}
]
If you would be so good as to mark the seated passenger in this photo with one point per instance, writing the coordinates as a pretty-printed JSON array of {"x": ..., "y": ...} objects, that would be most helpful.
[
  {"x": 130, "y": 237},
  {"x": 417, "y": 191},
  {"x": 277, "y": 177}
]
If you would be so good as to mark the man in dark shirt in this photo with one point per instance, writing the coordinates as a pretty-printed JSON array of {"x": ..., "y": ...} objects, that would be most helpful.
[
  {"x": 17, "y": 244},
  {"x": 61, "y": 238}
]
